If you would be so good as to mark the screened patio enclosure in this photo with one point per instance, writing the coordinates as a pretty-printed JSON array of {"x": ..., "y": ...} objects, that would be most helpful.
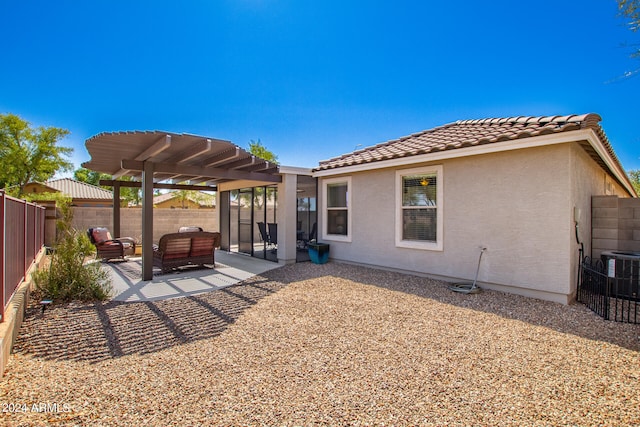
[{"x": 252, "y": 220}]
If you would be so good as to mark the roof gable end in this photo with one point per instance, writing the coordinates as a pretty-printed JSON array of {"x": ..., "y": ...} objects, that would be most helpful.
[{"x": 78, "y": 189}]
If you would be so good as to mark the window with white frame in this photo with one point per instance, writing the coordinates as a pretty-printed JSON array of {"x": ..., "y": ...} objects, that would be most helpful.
[
  {"x": 419, "y": 208},
  {"x": 336, "y": 203}
]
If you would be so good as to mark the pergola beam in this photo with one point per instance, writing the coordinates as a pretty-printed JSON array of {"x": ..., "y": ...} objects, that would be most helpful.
[
  {"x": 199, "y": 179},
  {"x": 194, "y": 151},
  {"x": 238, "y": 164},
  {"x": 155, "y": 149},
  {"x": 120, "y": 173},
  {"x": 258, "y": 167},
  {"x": 221, "y": 158},
  {"x": 220, "y": 173},
  {"x": 136, "y": 184}
]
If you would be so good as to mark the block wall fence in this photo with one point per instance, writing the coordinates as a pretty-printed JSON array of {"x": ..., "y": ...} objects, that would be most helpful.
[
  {"x": 615, "y": 224},
  {"x": 164, "y": 221}
]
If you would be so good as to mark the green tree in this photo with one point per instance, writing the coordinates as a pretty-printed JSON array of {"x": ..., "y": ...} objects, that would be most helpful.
[
  {"x": 630, "y": 11},
  {"x": 195, "y": 196},
  {"x": 29, "y": 154},
  {"x": 89, "y": 176},
  {"x": 129, "y": 196},
  {"x": 257, "y": 149},
  {"x": 635, "y": 179}
]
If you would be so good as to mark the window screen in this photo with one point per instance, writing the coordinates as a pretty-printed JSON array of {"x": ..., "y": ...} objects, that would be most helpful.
[
  {"x": 419, "y": 207},
  {"x": 337, "y": 209}
]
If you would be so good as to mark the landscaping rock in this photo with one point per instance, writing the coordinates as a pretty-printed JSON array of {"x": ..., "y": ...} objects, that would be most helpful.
[{"x": 329, "y": 344}]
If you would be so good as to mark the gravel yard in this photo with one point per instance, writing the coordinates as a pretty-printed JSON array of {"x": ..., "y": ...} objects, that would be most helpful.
[{"x": 330, "y": 344}]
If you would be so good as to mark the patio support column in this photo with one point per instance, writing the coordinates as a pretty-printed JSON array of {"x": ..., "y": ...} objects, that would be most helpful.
[
  {"x": 147, "y": 221},
  {"x": 223, "y": 213},
  {"x": 116, "y": 209},
  {"x": 287, "y": 210}
]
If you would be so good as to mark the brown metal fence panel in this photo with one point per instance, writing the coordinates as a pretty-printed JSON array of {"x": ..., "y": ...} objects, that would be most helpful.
[
  {"x": 22, "y": 233},
  {"x": 30, "y": 234},
  {"x": 14, "y": 246},
  {"x": 41, "y": 214},
  {"x": 2, "y": 234}
]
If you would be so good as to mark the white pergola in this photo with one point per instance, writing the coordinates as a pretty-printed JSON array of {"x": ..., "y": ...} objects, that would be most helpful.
[{"x": 158, "y": 159}]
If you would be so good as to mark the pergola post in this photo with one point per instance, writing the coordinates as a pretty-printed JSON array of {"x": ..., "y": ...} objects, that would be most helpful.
[
  {"x": 147, "y": 221},
  {"x": 116, "y": 209}
]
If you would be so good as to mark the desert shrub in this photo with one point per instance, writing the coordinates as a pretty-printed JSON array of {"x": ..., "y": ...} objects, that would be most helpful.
[{"x": 68, "y": 277}]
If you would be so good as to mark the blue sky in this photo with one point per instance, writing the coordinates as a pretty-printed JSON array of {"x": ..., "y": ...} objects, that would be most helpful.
[{"x": 314, "y": 79}]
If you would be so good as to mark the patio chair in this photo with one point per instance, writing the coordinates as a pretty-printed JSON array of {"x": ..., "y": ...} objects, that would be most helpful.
[
  {"x": 273, "y": 233},
  {"x": 263, "y": 234},
  {"x": 109, "y": 248}
]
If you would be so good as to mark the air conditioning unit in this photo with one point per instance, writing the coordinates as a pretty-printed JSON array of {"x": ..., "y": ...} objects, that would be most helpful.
[{"x": 623, "y": 270}]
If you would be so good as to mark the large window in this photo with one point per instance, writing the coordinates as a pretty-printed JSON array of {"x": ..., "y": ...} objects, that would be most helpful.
[
  {"x": 419, "y": 208},
  {"x": 336, "y": 203}
]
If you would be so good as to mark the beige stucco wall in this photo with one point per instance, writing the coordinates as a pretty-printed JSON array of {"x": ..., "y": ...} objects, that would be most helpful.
[
  {"x": 518, "y": 204},
  {"x": 588, "y": 179}
]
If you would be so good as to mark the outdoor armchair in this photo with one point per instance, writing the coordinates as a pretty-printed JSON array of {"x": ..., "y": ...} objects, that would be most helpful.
[{"x": 109, "y": 248}]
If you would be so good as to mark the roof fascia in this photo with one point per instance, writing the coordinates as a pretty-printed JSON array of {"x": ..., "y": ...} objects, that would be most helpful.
[
  {"x": 614, "y": 166},
  {"x": 295, "y": 170}
]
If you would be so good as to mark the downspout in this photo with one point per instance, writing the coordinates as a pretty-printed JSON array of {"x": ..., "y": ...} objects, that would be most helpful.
[{"x": 576, "y": 215}]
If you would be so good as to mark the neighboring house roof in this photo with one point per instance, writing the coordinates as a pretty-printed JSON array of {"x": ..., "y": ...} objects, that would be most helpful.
[
  {"x": 79, "y": 190},
  {"x": 476, "y": 133}
]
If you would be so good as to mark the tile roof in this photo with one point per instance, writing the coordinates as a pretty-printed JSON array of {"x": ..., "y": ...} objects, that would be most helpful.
[
  {"x": 79, "y": 190},
  {"x": 469, "y": 133}
]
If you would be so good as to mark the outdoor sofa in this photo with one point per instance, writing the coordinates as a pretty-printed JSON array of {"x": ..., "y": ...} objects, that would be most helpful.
[{"x": 187, "y": 248}]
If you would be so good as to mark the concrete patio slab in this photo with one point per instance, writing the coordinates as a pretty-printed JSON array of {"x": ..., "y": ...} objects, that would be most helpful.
[{"x": 230, "y": 269}]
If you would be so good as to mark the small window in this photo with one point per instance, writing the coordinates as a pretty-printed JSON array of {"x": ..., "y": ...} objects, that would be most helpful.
[
  {"x": 337, "y": 201},
  {"x": 419, "y": 208}
]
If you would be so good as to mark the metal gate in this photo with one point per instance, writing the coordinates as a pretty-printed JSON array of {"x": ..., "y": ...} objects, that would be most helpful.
[{"x": 610, "y": 290}]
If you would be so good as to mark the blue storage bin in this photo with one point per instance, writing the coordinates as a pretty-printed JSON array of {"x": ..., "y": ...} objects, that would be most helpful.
[{"x": 319, "y": 252}]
